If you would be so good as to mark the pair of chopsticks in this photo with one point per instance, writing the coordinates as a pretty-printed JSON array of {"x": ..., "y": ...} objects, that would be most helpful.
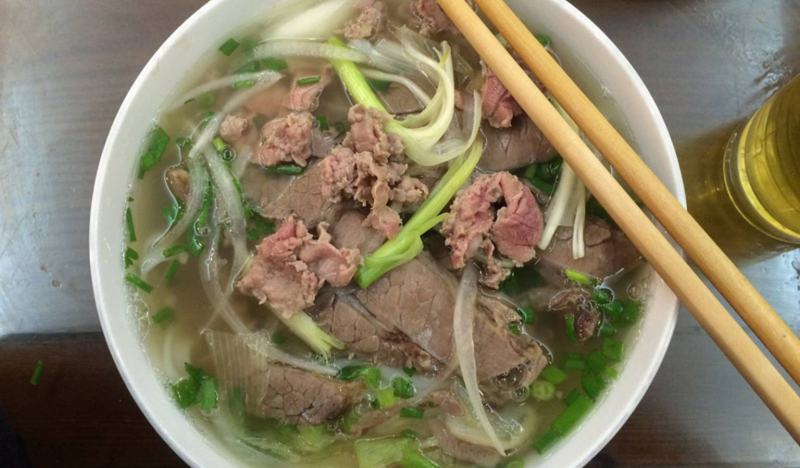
[{"x": 745, "y": 355}]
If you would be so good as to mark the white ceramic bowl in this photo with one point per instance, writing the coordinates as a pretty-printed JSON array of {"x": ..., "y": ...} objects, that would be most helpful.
[{"x": 588, "y": 55}]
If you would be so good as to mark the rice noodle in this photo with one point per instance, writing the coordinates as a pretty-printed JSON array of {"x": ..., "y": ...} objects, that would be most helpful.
[
  {"x": 224, "y": 82},
  {"x": 414, "y": 88},
  {"x": 463, "y": 324}
]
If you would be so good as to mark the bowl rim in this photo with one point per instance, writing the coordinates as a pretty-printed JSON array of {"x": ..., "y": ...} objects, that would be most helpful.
[{"x": 206, "y": 453}]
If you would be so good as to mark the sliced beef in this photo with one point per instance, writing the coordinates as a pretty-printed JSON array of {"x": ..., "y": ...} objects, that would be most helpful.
[
  {"x": 460, "y": 450},
  {"x": 298, "y": 396},
  {"x": 367, "y": 168},
  {"x": 178, "y": 183},
  {"x": 349, "y": 232},
  {"x": 475, "y": 227},
  {"x": 303, "y": 196},
  {"x": 499, "y": 107},
  {"x": 607, "y": 252},
  {"x": 430, "y": 18},
  {"x": 512, "y": 148},
  {"x": 305, "y": 98},
  {"x": 285, "y": 140},
  {"x": 343, "y": 317},
  {"x": 369, "y": 21},
  {"x": 578, "y": 302},
  {"x": 291, "y": 266},
  {"x": 234, "y": 127},
  {"x": 417, "y": 299}
]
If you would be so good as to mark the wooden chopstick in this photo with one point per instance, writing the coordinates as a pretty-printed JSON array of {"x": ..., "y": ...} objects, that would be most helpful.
[
  {"x": 765, "y": 379},
  {"x": 754, "y": 309}
]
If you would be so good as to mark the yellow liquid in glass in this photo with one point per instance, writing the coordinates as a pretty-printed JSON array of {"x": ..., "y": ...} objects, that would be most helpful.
[{"x": 762, "y": 166}]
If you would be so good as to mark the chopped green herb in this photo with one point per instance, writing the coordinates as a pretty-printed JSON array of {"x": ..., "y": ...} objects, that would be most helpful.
[
  {"x": 269, "y": 63},
  {"x": 174, "y": 250},
  {"x": 578, "y": 277},
  {"x": 403, "y": 387},
  {"x": 242, "y": 84},
  {"x": 543, "y": 186},
  {"x": 205, "y": 100},
  {"x": 564, "y": 423},
  {"x": 278, "y": 338},
  {"x": 573, "y": 395},
  {"x": 515, "y": 328},
  {"x": 630, "y": 312},
  {"x": 596, "y": 361},
  {"x": 544, "y": 39},
  {"x": 613, "y": 310},
  {"x": 528, "y": 315},
  {"x": 134, "y": 280},
  {"x": 340, "y": 126},
  {"x": 198, "y": 388},
  {"x": 379, "y": 85},
  {"x": 308, "y": 80},
  {"x": 208, "y": 395},
  {"x": 194, "y": 241},
  {"x": 521, "y": 280},
  {"x": 129, "y": 225},
  {"x": 229, "y": 46},
  {"x": 322, "y": 122},
  {"x": 602, "y": 295},
  {"x": 185, "y": 392},
  {"x": 607, "y": 329},
  {"x": 157, "y": 144},
  {"x": 613, "y": 349},
  {"x": 610, "y": 373},
  {"x": 130, "y": 256},
  {"x": 169, "y": 275},
  {"x": 370, "y": 374},
  {"x": 410, "y": 371},
  {"x": 163, "y": 316},
  {"x": 37, "y": 372},
  {"x": 173, "y": 212},
  {"x": 542, "y": 390},
  {"x": 259, "y": 228},
  {"x": 414, "y": 413},
  {"x": 286, "y": 169},
  {"x": 569, "y": 325},
  {"x": 219, "y": 144},
  {"x": 575, "y": 362},
  {"x": 413, "y": 458},
  {"x": 553, "y": 374},
  {"x": 593, "y": 384},
  {"x": 550, "y": 170},
  {"x": 385, "y": 398},
  {"x": 183, "y": 143}
]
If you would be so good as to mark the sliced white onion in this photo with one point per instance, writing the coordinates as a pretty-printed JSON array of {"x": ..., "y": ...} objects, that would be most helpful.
[
  {"x": 220, "y": 83},
  {"x": 386, "y": 55},
  {"x": 449, "y": 149},
  {"x": 414, "y": 88},
  {"x": 199, "y": 178},
  {"x": 262, "y": 346},
  {"x": 209, "y": 275},
  {"x": 310, "y": 19},
  {"x": 463, "y": 324},
  {"x": 312, "y": 49},
  {"x": 515, "y": 427}
]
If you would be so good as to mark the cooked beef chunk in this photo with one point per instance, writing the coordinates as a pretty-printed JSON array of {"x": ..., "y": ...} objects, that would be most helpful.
[
  {"x": 417, "y": 299},
  {"x": 366, "y": 134},
  {"x": 577, "y": 301},
  {"x": 234, "y": 127},
  {"x": 399, "y": 100},
  {"x": 298, "y": 396},
  {"x": 322, "y": 142},
  {"x": 178, "y": 183},
  {"x": 447, "y": 402},
  {"x": 515, "y": 147},
  {"x": 431, "y": 18},
  {"x": 290, "y": 267},
  {"x": 305, "y": 98},
  {"x": 349, "y": 232},
  {"x": 285, "y": 140},
  {"x": 460, "y": 450},
  {"x": 499, "y": 107},
  {"x": 368, "y": 22},
  {"x": 343, "y": 317},
  {"x": 367, "y": 169},
  {"x": 475, "y": 227},
  {"x": 607, "y": 252},
  {"x": 303, "y": 196}
]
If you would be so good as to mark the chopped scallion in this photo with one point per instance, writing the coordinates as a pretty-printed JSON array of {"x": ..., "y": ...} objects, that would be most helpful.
[
  {"x": 553, "y": 374},
  {"x": 163, "y": 316},
  {"x": 564, "y": 422},
  {"x": 403, "y": 388},
  {"x": 596, "y": 361},
  {"x": 174, "y": 250},
  {"x": 278, "y": 338},
  {"x": 573, "y": 395},
  {"x": 169, "y": 275},
  {"x": 593, "y": 384},
  {"x": 308, "y": 80},
  {"x": 527, "y": 314},
  {"x": 286, "y": 169},
  {"x": 322, "y": 122},
  {"x": 578, "y": 277},
  {"x": 413, "y": 458},
  {"x": 414, "y": 413},
  {"x": 544, "y": 39},
  {"x": 130, "y": 256},
  {"x": 385, "y": 397},
  {"x": 370, "y": 374},
  {"x": 607, "y": 329},
  {"x": 602, "y": 295},
  {"x": 613, "y": 349},
  {"x": 379, "y": 85},
  {"x": 183, "y": 143},
  {"x": 542, "y": 390},
  {"x": 37, "y": 372},
  {"x": 242, "y": 84},
  {"x": 156, "y": 146},
  {"x": 410, "y": 371},
  {"x": 569, "y": 324},
  {"x": 136, "y": 281},
  {"x": 219, "y": 144},
  {"x": 229, "y": 46},
  {"x": 129, "y": 225},
  {"x": 515, "y": 328}
]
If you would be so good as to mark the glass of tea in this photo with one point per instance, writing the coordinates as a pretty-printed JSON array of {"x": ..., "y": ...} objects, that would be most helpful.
[{"x": 761, "y": 166}]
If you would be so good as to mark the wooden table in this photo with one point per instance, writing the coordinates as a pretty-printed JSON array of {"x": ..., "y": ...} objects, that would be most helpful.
[{"x": 64, "y": 69}]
